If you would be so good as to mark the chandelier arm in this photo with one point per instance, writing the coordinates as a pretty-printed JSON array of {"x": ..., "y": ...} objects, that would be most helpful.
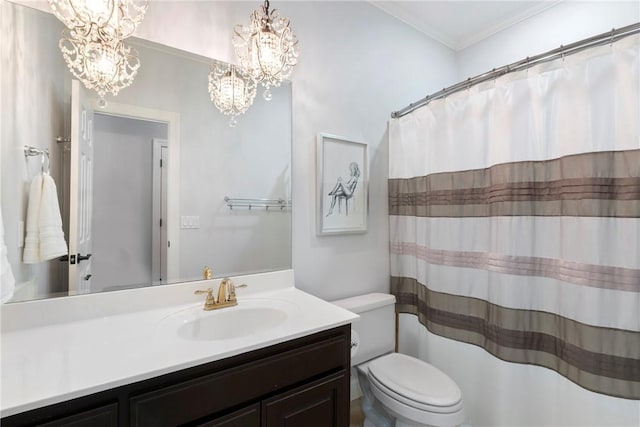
[{"x": 115, "y": 6}]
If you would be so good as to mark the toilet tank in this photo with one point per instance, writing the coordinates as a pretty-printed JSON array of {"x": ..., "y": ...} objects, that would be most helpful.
[{"x": 373, "y": 334}]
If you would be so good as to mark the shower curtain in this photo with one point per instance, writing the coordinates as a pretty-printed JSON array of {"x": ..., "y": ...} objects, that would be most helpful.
[{"x": 515, "y": 217}]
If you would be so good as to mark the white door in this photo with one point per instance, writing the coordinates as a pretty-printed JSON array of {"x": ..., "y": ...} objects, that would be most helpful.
[{"x": 81, "y": 191}]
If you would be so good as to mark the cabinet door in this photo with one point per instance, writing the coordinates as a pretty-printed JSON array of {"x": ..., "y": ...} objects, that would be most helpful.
[
  {"x": 319, "y": 404},
  {"x": 245, "y": 417}
]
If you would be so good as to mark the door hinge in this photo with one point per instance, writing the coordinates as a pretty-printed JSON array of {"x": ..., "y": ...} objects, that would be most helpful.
[
  {"x": 160, "y": 222},
  {"x": 160, "y": 162}
]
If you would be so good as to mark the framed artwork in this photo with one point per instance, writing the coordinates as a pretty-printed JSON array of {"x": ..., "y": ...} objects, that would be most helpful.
[{"x": 342, "y": 185}]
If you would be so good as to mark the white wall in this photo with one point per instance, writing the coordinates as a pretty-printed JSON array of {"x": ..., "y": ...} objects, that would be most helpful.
[
  {"x": 565, "y": 23},
  {"x": 357, "y": 64},
  {"x": 498, "y": 393}
]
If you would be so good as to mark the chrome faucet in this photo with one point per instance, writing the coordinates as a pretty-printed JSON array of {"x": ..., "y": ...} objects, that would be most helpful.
[{"x": 226, "y": 295}]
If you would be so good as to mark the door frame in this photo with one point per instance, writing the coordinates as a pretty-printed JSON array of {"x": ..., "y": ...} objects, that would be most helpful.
[
  {"x": 158, "y": 209},
  {"x": 172, "y": 119}
]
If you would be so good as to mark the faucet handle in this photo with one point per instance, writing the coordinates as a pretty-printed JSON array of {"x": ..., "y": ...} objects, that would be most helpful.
[
  {"x": 232, "y": 291},
  {"x": 210, "y": 302}
]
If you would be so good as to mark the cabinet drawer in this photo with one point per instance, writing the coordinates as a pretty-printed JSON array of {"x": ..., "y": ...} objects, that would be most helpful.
[
  {"x": 104, "y": 416},
  {"x": 245, "y": 417},
  {"x": 196, "y": 399}
]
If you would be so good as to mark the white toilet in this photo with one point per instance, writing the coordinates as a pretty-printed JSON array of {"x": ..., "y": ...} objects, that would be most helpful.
[{"x": 397, "y": 390}]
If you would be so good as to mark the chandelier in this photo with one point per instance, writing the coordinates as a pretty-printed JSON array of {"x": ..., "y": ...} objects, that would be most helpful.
[
  {"x": 232, "y": 91},
  {"x": 104, "y": 67},
  {"x": 266, "y": 48},
  {"x": 93, "y": 46}
]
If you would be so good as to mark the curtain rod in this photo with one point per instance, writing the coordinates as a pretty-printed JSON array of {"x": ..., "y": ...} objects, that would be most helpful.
[{"x": 599, "y": 40}]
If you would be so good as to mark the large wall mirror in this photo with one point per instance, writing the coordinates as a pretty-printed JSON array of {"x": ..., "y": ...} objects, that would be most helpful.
[{"x": 147, "y": 224}]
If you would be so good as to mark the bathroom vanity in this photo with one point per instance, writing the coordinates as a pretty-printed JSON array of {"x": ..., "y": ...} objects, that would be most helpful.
[{"x": 167, "y": 368}]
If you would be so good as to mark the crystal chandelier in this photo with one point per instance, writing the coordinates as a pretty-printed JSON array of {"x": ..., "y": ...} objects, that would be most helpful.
[
  {"x": 93, "y": 46},
  {"x": 266, "y": 48},
  {"x": 104, "y": 67},
  {"x": 232, "y": 91}
]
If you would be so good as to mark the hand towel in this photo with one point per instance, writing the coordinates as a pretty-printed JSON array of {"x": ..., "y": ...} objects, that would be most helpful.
[
  {"x": 44, "y": 239},
  {"x": 52, "y": 243},
  {"x": 7, "y": 281},
  {"x": 31, "y": 254}
]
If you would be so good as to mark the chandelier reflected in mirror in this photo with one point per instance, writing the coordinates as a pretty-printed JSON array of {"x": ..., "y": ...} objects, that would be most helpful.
[
  {"x": 93, "y": 46},
  {"x": 103, "y": 67},
  {"x": 231, "y": 90},
  {"x": 266, "y": 48}
]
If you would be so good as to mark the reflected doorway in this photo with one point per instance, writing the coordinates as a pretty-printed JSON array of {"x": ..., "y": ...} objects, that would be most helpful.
[{"x": 129, "y": 190}]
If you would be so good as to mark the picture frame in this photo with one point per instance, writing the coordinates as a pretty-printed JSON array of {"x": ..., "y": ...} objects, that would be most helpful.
[{"x": 342, "y": 185}]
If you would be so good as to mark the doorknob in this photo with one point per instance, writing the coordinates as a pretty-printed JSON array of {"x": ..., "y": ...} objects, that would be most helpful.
[
  {"x": 87, "y": 277},
  {"x": 83, "y": 257},
  {"x": 72, "y": 258}
]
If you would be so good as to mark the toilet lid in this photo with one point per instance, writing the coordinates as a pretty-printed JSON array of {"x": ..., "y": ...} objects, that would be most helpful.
[{"x": 415, "y": 380}]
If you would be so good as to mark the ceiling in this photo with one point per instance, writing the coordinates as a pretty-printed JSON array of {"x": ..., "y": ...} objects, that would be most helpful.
[{"x": 459, "y": 24}]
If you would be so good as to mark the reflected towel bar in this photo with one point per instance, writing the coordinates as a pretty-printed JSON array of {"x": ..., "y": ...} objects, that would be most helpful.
[{"x": 257, "y": 203}]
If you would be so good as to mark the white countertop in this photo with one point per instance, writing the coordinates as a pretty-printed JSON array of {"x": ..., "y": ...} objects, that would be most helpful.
[{"x": 60, "y": 349}]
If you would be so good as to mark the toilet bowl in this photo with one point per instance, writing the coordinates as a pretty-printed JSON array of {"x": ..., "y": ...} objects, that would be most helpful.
[{"x": 397, "y": 390}]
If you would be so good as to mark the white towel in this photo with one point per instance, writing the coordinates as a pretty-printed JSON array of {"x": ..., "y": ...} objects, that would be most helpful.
[
  {"x": 45, "y": 238},
  {"x": 31, "y": 254},
  {"x": 7, "y": 281},
  {"x": 52, "y": 243}
]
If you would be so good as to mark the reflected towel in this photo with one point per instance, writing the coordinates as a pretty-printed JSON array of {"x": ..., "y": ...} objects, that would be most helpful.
[
  {"x": 52, "y": 243},
  {"x": 31, "y": 254},
  {"x": 7, "y": 281},
  {"x": 44, "y": 239}
]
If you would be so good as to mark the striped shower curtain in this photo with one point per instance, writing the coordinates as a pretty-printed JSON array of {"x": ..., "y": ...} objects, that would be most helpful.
[{"x": 515, "y": 217}]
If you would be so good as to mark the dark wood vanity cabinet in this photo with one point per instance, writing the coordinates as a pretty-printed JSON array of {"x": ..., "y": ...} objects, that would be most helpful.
[{"x": 303, "y": 382}]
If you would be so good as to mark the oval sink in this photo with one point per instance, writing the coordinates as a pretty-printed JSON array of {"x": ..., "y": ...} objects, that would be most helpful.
[
  {"x": 250, "y": 316},
  {"x": 234, "y": 323}
]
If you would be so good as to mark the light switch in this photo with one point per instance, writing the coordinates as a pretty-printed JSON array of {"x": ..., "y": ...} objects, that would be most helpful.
[{"x": 189, "y": 222}]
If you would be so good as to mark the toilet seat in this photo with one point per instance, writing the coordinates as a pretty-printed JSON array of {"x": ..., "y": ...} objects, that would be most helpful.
[{"x": 415, "y": 383}]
